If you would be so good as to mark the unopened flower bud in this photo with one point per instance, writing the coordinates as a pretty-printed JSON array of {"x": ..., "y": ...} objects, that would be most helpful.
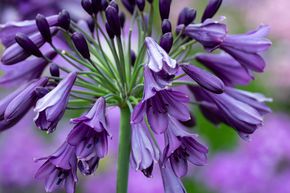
[
  {"x": 41, "y": 92},
  {"x": 113, "y": 20},
  {"x": 122, "y": 17},
  {"x": 64, "y": 19},
  {"x": 43, "y": 27},
  {"x": 164, "y": 8},
  {"x": 87, "y": 6},
  {"x": 211, "y": 9},
  {"x": 186, "y": 16},
  {"x": 109, "y": 31},
  {"x": 129, "y": 5},
  {"x": 115, "y": 5},
  {"x": 81, "y": 45},
  {"x": 96, "y": 6},
  {"x": 166, "y": 41},
  {"x": 104, "y": 5},
  {"x": 133, "y": 57},
  {"x": 166, "y": 26},
  {"x": 54, "y": 70},
  {"x": 27, "y": 44},
  {"x": 140, "y": 4}
]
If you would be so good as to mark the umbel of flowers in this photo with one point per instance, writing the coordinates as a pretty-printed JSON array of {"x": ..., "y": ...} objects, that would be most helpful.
[{"x": 110, "y": 61}]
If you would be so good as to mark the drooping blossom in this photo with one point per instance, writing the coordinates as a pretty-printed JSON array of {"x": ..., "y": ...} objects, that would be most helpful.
[{"x": 51, "y": 107}]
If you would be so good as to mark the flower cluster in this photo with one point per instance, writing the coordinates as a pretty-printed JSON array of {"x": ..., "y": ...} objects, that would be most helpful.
[{"x": 100, "y": 68}]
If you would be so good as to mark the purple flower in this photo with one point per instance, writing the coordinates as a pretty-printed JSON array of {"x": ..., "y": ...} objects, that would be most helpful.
[
  {"x": 31, "y": 69},
  {"x": 9, "y": 30},
  {"x": 158, "y": 57},
  {"x": 15, "y": 53},
  {"x": 144, "y": 151},
  {"x": 158, "y": 107},
  {"x": 171, "y": 183},
  {"x": 204, "y": 78},
  {"x": 226, "y": 68},
  {"x": 246, "y": 48},
  {"x": 182, "y": 146},
  {"x": 90, "y": 136},
  {"x": 241, "y": 110},
  {"x": 59, "y": 169},
  {"x": 209, "y": 33},
  {"x": 211, "y": 9},
  {"x": 17, "y": 104},
  {"x": 51, "y": 107}
]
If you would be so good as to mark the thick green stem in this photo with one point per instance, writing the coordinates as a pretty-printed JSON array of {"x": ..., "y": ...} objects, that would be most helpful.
[{"x": 124, "y": 150}]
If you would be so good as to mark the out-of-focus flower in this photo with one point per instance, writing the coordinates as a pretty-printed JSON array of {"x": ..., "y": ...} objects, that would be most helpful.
[{"x": 261, "y": 165}]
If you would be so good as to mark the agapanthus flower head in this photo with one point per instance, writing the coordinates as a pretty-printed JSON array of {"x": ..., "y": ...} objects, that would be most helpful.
[{"x": 103, "y": 63}]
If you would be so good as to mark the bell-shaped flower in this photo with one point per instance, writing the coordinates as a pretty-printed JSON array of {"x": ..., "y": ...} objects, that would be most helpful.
[
  {"x": 159, "y": 106},
  {"x": 16, "y": 105},
  {"x": 226, "y": 68},
  {"x": 59, "y": 170},
  {"x": 90, "y": 137},
  {"x": 241, "y": 110},
  {"x": 144, "y": 151},
  {"x": 51, "y": 107},
  {"x": 209, "y": 33},
  {"x": 247, "y": 48},
  {"x": 181, "y": 147},
  {"x": 171, "y": 183},
  {"x": 204, "y": 79}
]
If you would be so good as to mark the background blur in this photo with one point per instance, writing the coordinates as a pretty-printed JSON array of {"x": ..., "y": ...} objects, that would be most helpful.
[{"x": 259, "y": 166}]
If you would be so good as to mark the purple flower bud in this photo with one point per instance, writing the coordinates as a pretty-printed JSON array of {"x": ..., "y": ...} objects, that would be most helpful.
[
  {"x": 15, "y": 106},
  {"x": 54, "y": 70},
  {"x": 96, "y": 6},
  {"x": 226, "y": 68},
  {"x": 81, "y": 45},
  {"x": 64, "y": 19},
  {"x": 51, "y": 107},
  {"x": 166, "y": 26},
  {"x": 31, "y": 69},
  {"x": 164, "y": 8},
  {"x": 204, "y": 78},
  {"x": 247, "y": 48},
  {"x": 129, "y": 5},
  {"x": 115, "y": 5},
  {"x": 211, "y": 9},
  {"x": 166, "y": 41},
  {"x": 87, "y": 6},
  {"x": 140, "y": 4},
  {"x": 43, "y": 27},
  {"x": 15, "y": 53},
  {"x": 28, "y": 45},
  {"x": 113, "y": 20},
  {"x": 171, "y": 183},
  {"x": 122, "y": 17},
  {"x": 133, "y": 57},
  {"x": 109, "y": 31},
  {"x": 210, "y": 33},
  {"x": 104, "y": 5},
  {"x": 186, "y": 16},
  {"x": 41, "y": 92},
  {"x": 144, "y": 151},
  {"x": 59, "y": 170}
]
